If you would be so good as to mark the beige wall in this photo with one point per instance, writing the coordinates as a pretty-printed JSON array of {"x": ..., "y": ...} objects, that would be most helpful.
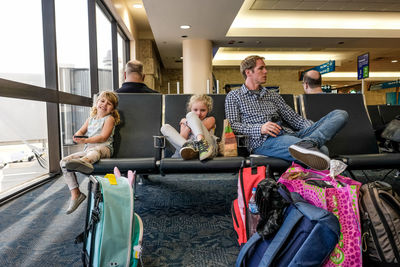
[
  {"x": 284, "y": 77},
  {"x": 171, "y": 76},
  {"x": 377, "y": 97},
  {"x": 152, "y": 69}
]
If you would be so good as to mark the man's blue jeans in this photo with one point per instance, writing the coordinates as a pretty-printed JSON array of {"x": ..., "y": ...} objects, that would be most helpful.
[{"x": 320, "y": 132}]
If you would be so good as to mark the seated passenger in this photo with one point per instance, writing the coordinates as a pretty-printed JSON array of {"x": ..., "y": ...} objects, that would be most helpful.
[
  {"x": 99, "y": 131},
  {"x": 312, "y": 82},
  {"x": 196, "y": 138},
  {"x": 134, "y": 79},
  {"x": 258, "y": 113}
]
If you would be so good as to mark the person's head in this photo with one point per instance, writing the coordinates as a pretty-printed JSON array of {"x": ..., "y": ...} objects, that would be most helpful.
[
  {"x": 105, "y": 104},
  {"x": 201, "y": 105},
  {"x": 253, "y": 69},
  {"x": 134, "y": 71},
  {"x": 227, "y": 88},
  {"x": 312, "y": 82}
]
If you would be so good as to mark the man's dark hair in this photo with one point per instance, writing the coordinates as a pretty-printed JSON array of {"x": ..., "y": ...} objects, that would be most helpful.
[{"x": 313, "y": 83}]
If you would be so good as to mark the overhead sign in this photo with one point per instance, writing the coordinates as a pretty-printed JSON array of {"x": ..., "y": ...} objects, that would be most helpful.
[
  {"x": 363, "y": 66},
  {"x": 385, "y": 85},
  {"x": 323, "y": 68}
]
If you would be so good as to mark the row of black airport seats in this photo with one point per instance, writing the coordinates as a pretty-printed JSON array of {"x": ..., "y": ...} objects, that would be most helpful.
[
  {"x": 143, "y": 115},
  {"x": 381, "y": 115}
]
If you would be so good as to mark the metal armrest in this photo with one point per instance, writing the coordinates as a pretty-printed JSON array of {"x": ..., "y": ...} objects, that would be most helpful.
[{"x": 159, "y": 141}]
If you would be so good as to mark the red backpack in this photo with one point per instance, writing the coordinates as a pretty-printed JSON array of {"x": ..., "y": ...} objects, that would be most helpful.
[{"x": 248, "y": 179}]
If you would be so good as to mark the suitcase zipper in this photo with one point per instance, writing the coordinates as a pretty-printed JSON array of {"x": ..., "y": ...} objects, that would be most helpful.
[
  {"x": 384, "y": 222},
  {"x": 234, "y": 215},
  {"x": 245, "y": 205},
  {"x": 372, "y": 230}
]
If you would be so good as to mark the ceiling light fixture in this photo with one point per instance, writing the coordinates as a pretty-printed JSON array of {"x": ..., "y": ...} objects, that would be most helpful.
[
  {"x": 137, "y": 5},
  {"x": 395, "y": 61},
  {"x": 185, "y": 27}
]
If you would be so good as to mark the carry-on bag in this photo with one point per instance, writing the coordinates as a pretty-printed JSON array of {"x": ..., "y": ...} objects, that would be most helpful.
[
  {"x": 227, "y": 147},
  {"x": 306, "y": 238},
  {"x": 113, "y": 232},
  {"x": 380, "y": 213},
  {"x": 248, "y": 179},
  {"x": 338, "y": 195}
]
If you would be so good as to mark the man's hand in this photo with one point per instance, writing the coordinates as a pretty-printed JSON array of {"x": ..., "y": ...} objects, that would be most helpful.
[{"x": 271, "y": 128}]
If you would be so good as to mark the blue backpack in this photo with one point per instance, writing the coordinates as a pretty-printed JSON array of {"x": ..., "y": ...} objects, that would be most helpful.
[
  {"x": 113, "y": 231},
  {"x": 307, "y": 237}
]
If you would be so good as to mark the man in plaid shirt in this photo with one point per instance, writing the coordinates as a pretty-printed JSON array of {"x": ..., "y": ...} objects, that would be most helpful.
[{"x": 274, "y": 129}]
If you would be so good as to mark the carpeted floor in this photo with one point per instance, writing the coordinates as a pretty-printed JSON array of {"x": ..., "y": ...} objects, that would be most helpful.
[{"x": 186, "y": 219}]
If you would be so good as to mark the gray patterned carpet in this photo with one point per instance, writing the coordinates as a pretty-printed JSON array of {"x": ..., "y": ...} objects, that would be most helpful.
[{"x": 186, "y": 219}]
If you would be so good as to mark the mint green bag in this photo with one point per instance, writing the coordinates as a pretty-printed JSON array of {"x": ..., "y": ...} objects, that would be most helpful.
[{"x": 113, "y": 232}]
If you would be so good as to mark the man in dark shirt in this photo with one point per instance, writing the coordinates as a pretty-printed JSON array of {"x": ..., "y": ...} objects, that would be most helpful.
[
  {"x": 134, "y": 79},
  {"x": 259, "y": 113}
]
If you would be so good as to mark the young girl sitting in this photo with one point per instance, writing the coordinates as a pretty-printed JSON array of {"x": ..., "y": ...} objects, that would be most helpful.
[
  {"x": 99, "y": 131},
  {"x": 196, "y": 138}
]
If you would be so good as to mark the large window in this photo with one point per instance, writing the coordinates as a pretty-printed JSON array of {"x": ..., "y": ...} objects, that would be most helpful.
[
  {"x": 72, "y": 118},
  {"x": 121, "y": 59},
  {"x": 104, "y": 50},
  {"x": 73, "y": 46},
  {"x": 23, "y": 142},
  {"x": 31, "y": 73},
  {"x": 21, "y": 46}
]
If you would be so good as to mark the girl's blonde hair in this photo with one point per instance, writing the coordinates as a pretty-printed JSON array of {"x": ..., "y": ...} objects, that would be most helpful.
[
  {"x": 207, "y": 100},
  {"x": 113, "y": 98}
]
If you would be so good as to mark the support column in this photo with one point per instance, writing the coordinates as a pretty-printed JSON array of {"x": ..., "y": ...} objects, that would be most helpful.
[{"x": 197, "y": 66}]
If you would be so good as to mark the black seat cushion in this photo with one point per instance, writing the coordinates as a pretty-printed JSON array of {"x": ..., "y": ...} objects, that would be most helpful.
[
  {"x": 357, "y": 137},
  {"x": 375, "y": 116},
  {"x": 140, "y": 121},
  {"x": 388, "y": 112}
]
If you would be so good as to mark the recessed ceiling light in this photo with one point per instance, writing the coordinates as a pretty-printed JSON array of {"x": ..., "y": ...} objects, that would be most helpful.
[
  {"x": 395, "y": 61},
  {"x": 185, "y": 27},
  {"x": 137, "y": 5}
]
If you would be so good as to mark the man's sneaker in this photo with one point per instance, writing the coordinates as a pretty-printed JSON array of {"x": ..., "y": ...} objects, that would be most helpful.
[
  {"x": 74, "y": 204},
  {"x": 79, "y": 165},
  {"x": 307, "y": 152},
  {"x": 205, "y": 150},
  {"x": 189, "y": 151}
]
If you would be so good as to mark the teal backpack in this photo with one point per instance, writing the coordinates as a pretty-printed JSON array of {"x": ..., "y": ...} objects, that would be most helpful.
[{"x": 113, "y": 231}]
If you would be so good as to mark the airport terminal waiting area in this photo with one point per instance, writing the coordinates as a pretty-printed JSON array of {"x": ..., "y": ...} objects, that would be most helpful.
[
  {"x": 139, "y": 145},
  {"x": 185, "y": 205}
]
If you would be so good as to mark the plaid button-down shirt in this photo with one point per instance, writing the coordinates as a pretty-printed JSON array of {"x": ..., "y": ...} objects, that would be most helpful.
[{"x": 248, "y": 111}]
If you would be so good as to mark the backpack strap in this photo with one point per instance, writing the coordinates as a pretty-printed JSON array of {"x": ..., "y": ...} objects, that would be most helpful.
[
  {"x": 243, "y": 251},
  {"x": 288, "y": 224}
]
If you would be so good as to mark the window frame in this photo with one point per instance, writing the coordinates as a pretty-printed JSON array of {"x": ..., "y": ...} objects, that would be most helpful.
[{"x": 50, "y": 93}]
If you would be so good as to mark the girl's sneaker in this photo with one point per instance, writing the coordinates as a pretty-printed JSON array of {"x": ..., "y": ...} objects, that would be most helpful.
[
  {"x": 189, "y": 151},
  {"x": 74, "y": 204},
  {"x": 205, "y": 150},
  {"x": 79, "y": 165}
]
